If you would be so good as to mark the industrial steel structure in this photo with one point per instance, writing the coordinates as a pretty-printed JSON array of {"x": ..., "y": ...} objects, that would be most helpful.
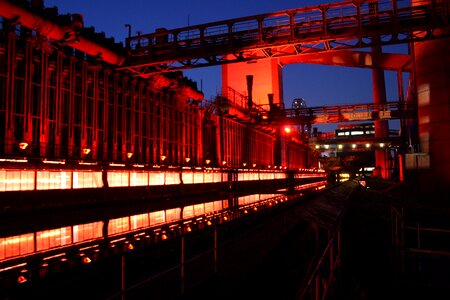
[{"x": 87, "y": 124}]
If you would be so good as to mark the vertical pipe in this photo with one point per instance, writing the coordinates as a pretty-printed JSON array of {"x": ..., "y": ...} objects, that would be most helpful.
[
  {"x": 115, "y": 129},
  {"x": 379, "y": 95},
  {"x": 401, "y": 168},
  {"x": 338, "y": 249},
  {"x": 182, "y": 264},
  {"x": 331, "y": 258},
  {"x": 381, "y": 126},
  {"x": 43, "y": 113},
  {"x": 317, "y": 286},
  {"x": 215, "y": 250},
  {"x": 122, "y": 288},
  {"x": 9, "y": 93},
  {"x": 94, "y": 116},
  {"x": 419, "y": 264},
  {"x": 84, "y": 106}
]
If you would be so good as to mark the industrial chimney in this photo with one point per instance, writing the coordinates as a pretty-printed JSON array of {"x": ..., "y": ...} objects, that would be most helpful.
[{"x": 249, "y": 90}]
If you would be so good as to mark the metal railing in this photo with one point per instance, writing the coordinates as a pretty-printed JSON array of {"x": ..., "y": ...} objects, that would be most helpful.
[
  {"x": 417, "y": 242},
  {"x": 318, "y": 283},
  {"x": 331, "y": 25}
]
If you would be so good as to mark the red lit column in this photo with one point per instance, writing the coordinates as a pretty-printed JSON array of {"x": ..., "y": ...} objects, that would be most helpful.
[
  {"x": 381, "y": 126},
  {"x": 432, "y": 74}
]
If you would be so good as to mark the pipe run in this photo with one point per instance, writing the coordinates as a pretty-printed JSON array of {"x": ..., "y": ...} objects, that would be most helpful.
[{"x": 57, "y": 32}]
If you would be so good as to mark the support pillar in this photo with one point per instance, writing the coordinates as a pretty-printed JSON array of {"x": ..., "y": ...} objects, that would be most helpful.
[
  {"x": 381, "y": 126},
  {"x": 432, "y": 75}
]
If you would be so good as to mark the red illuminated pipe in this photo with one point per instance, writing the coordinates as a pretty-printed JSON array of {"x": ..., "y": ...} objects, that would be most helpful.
[{"x": 56, "y": 32}]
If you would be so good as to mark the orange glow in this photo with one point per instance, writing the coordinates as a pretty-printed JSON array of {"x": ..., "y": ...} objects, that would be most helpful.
[
  {"x": 209, "y": 223},
  {"x": 86, "y": 151},
  {"x": 208, "y": 161},
  {"x": 163, "y": 157},
  {"x": 23, "y": 145},
  {"x": 187, "y": 159},
  {"x": 86, "y": 260},
  {"x": 130, "y": 246},
  {"x": 224, "y": 163},
  {"x": 129, "y": 155},
  {"x": 287, "y": 129},
  {"x": 164, "y": 237},
  {"x": 22, "y": 279}
]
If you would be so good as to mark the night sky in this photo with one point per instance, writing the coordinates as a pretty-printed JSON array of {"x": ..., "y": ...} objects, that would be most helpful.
[{"x": 317, "y": 84}]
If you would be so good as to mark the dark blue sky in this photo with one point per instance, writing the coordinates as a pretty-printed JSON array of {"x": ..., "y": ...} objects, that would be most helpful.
[{"x": 317, "y": 84}]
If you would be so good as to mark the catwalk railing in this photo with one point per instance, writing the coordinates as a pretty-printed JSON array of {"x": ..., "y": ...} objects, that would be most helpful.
[{"x": 344, "y": 113}]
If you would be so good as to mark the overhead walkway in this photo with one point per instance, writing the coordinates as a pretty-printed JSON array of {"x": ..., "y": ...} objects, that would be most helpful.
[
  {"x": 287, "y": 34},
  {"x": 342, "y": 113}
]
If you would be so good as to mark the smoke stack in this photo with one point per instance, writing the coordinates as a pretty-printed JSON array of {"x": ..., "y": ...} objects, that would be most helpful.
[
  {"x": 249, "y": 90},
  {"x": 270, "y": 97}
]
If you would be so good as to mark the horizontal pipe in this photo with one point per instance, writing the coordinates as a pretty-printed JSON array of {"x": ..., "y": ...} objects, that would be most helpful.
[{"x": 57, "y": 32}]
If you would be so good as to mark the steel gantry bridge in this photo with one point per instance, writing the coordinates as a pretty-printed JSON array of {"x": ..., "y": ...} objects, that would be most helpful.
[
  {"x": 292, "y": 34},
  {"x": 345, "y": 113}
]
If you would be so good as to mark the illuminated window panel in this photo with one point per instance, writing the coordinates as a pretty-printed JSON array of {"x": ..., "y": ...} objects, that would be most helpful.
[
  {"x": 218, "y": 177},
  {"x": 188, "y": 177},
  {"x": 157, "y": 217},
  {"x": 173, "y": 215},
  {"x": 199, "y": 209},
  {"x": 118, "y": 178},
  {"x": 188, "y": 212},
  {"x": 208, "y": 177},
  {"x": 209, "y": 207},
  {"x": 48, "y": 239},
  {"x": 139, "y": 221},
  {"x": 156, "y": 178},
  {"x": 172, "y": 178},
  {"x": 241, "y": 176},
  {"x": 16, "y": 180},
  {"x": 119, "y": 225},
  {"x": 53, "y": 180},
  {"x": 87, "y": 179},
  {"x": 246, "y": 199},
  {"x": 243, "y": 200},
  {"x": 16, "y": 245},
  {"x": 224, "y": 204},
  {"x": 86, "y": 232},
  {"x": 357, "y": 132},
  {"x": 138, "y": 179},
  {"x": 219, "y": 205},
  {"x": 198, "y": 177}
]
